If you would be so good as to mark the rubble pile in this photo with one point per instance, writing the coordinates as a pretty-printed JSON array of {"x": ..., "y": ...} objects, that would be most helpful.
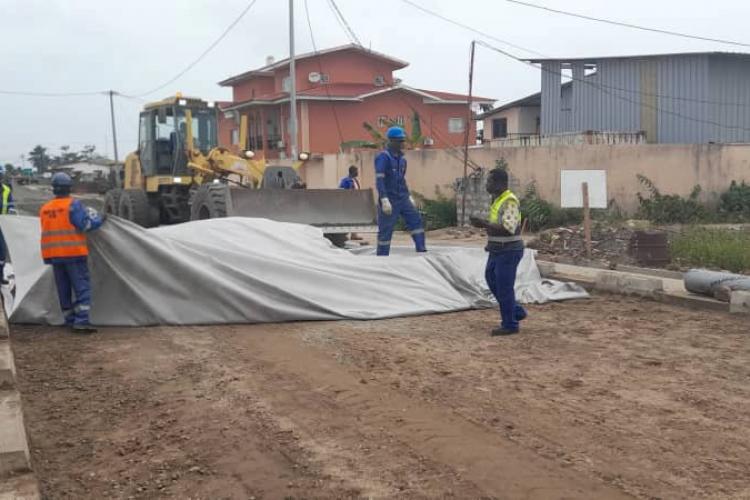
[{"x": 608, "y": 244}]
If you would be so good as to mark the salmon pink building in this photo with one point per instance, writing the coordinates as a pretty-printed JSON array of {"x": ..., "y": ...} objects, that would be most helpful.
[{"x": 338, "y": 90}]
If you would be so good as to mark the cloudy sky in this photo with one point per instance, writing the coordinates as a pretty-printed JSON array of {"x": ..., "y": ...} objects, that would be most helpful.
[{"x": 134, "y": 46}]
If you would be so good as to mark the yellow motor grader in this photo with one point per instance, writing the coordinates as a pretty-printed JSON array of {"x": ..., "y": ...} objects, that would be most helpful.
[{"x": 181, "y": 173}]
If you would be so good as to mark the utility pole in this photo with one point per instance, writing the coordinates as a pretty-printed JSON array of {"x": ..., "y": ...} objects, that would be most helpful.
[
  {"x": 469, "y": 126},
  {"x": 293, "y": 86},
  {"x": 114, "y": 130}
]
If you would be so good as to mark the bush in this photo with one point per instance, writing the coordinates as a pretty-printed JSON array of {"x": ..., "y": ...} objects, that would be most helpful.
[
  {"x": 540, "y": 214},
  {"x": 669, "y": 209},
  {"x": 713, "y": 248},
  {"x": 437, "y": 213},
  {"x": 735, "y": 202}
]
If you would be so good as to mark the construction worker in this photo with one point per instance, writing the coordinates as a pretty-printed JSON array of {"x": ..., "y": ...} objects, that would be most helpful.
[
  {"x": 505, "y": 247},
  {"x": 64, "y": 223},
  {"x": 393, "y": 193},
  {"x": 8, "y": 207},
  {"x": 350, "y": 181}
]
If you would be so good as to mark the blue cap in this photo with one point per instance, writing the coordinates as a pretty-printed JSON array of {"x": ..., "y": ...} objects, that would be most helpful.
[
  {"x": 61, "y": 179},
  {"x": 396, "y": 133}
]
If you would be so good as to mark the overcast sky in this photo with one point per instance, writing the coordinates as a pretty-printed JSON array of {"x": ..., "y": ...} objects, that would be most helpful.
[{"x": 133, "y": 46}]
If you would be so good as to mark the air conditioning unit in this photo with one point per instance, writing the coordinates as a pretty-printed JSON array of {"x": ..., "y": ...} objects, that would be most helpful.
[
  {"x": 379, "y": 81},
  {"x": 429, "y": 141},
  {"x": 324, "y": 78}
]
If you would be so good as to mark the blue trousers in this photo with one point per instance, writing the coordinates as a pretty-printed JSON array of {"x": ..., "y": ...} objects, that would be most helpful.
[
  {"x": 386, "y": 223},
  {"x": 72, "y": 279},
  {"x": 501, "y": 278}
]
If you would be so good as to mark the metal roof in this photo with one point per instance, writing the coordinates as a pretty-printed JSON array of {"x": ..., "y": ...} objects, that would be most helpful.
[{"x": 642, "y": 56}]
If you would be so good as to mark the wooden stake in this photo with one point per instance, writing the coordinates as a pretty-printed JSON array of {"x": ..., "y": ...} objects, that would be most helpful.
[{"x": 586, "y": 218}]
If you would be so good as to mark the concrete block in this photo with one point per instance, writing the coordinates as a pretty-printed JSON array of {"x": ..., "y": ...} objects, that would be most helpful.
[
  {"x": 628, "y": 284},
  {"x": 24, "y": 487},
  {"x": 14, "y": 449},
  {"x": 546, "y": 269},
  {"x": 7, "y": 367},
  {"x": 739, "y": 302}
]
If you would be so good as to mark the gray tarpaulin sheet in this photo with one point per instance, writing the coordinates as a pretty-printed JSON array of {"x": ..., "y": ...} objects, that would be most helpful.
[{"x": 242, "y": 270}]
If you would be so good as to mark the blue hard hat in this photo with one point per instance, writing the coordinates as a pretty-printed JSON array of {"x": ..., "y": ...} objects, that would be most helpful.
[
  {"x": 396, "y": 133},
  {"x": 61, "y": 179}
]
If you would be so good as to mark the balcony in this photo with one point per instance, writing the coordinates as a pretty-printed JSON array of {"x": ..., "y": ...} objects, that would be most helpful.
[{"x": 589, "y": 137}]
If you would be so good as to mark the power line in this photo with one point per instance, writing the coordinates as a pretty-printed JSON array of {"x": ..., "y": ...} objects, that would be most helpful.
[
  {"x": 202, "y": 55},
  {"x": 342, "y": 21},
  {"x": 320, "y": 68},
  {"x": 616, "y": 96},
  {"x": 474, "y": 30},
  {"x": 628, "y": 25}
]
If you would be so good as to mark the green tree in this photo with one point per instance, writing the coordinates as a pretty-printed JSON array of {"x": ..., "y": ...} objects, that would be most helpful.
[
  {"x": 39, "y": 158},
  {"x": 414, "y": 137}
]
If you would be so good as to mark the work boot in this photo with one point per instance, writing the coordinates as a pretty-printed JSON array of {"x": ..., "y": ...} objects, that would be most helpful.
[
  {"x": 521, "y": 314},
  {"x": 84, "y": 329},
  {"x": 503, "y": 332}
]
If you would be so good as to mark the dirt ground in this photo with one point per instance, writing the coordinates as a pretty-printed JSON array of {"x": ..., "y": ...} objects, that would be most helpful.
[{"x": 604, "y": 398}]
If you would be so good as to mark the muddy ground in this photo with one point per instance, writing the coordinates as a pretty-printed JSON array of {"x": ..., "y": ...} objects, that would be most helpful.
[{"x": 605, "y": 398}]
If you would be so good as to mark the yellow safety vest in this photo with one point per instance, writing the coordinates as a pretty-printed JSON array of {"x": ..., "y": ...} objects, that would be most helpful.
[
  {"x": 6, "y": 199},
  {"x": 498, "y": 204}
]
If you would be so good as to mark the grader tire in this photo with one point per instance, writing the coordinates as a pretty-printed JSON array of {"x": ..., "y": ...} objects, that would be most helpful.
[
  {"x": 135, "y": 207},
  {"x": 112, "y": 202},
  {"x": 209, "y": 202}
]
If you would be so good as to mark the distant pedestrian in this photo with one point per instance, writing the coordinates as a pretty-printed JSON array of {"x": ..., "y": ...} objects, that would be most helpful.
[
  {"x": 351, "y": 181},
  {"x": 505, "y": 247},
  {"x": 7, "y": 206},
  {"x": 64, "y": 223},
  {"x": 393, "y": 193}
]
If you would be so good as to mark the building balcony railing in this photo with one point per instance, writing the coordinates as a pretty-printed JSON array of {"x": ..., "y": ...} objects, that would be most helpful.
[{"x": 569, "y": 139}]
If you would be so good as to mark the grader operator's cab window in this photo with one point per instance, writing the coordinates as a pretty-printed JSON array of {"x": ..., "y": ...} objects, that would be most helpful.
[{"x": 203, "y": 127}]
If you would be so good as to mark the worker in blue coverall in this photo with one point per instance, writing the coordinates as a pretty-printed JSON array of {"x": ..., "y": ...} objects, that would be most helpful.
[
  {"x": 505, "y": 247},
  {"x": 393, "y": 194},
  {"x": 7, "y": 206},
  {"x": 351, "y": 181},
  {"x": 64, "y": 222}
]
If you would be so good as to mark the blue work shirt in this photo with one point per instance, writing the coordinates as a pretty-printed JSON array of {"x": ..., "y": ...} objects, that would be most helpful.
[
  {"x": 390, "y": 176},
  {"x": 349, "y": 183},
  {"x": 85, "y": 220}
]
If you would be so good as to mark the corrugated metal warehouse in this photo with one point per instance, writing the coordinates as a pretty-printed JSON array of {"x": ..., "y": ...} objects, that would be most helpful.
[{"x": 673, "y": 98}]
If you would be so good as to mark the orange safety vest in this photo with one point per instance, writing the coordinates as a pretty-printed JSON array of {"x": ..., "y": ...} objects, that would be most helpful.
[{"x": 60, "y": 238}]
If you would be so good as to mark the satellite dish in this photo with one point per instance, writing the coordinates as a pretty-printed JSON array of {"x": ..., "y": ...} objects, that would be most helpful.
[{"x": 314, "y": 77}]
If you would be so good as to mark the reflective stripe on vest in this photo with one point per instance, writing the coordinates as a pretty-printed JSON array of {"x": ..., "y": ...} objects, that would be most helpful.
[
  {"x": 60, "y": 238},
  {"x": 6, "y": 199},
  {"x": 494, "y": 216}
]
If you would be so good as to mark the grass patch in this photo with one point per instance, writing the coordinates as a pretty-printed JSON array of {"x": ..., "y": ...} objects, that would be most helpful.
[{"x": 713, "y": 248}]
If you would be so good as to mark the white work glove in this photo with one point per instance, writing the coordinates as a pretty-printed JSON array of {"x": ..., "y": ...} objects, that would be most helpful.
[
  {"x": 413, "y": 203},
  {"x": 385, "y": 204}
]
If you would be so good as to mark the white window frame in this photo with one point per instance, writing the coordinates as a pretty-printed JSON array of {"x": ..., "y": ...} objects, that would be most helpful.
[
  {"x": 235, "y": 136},
  {"x": 452, "y": 125},
  {"x": 286, "y": 84}
]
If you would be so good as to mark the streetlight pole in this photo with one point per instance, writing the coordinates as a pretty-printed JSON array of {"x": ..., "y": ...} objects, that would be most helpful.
[
  {"x": 293, "y": 86},
  {"x": 114, "y": 129}
]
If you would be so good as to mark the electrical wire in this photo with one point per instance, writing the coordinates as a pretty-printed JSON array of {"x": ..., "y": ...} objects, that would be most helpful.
[
  {"x": 616, "y": 96},
  {"x": 469, "y": 28},
  {"x": 320, "y": 69},
  {"x": 344, "y": 24},
  {"x": 201, "y": 56},
  {"x": 628, "y": 25}
]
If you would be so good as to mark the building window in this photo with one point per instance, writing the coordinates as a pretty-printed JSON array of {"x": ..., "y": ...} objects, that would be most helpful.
[
  {"x": 499, "y": 128},
  {"x": 399, "y": 120},
  {"x": 324, "y": 78},
  {"x": 455, "y": 125},
  {"x": 382, "y": 121},
  {"x": 286, "y": 84},
  {"x": 235, "y": 136}
]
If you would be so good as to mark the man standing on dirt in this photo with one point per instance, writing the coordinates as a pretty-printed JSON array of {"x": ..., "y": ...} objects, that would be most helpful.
[
  {"x": 7, "y": 207},
  {"x": 64, "y": 223},
  {"x": 394, "y": 196},
  {"x": 505, "y": 247}
]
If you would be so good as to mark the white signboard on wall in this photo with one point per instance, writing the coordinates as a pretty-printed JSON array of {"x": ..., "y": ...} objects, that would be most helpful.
[{"x": 571, "y": 195}]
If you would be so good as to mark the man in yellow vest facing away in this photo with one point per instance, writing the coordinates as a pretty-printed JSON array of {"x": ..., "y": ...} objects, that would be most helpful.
[
  {"x": 64, "y": 223},
  {"x": 505, "y": 247},
  {"x": 7, "y": 207}
]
